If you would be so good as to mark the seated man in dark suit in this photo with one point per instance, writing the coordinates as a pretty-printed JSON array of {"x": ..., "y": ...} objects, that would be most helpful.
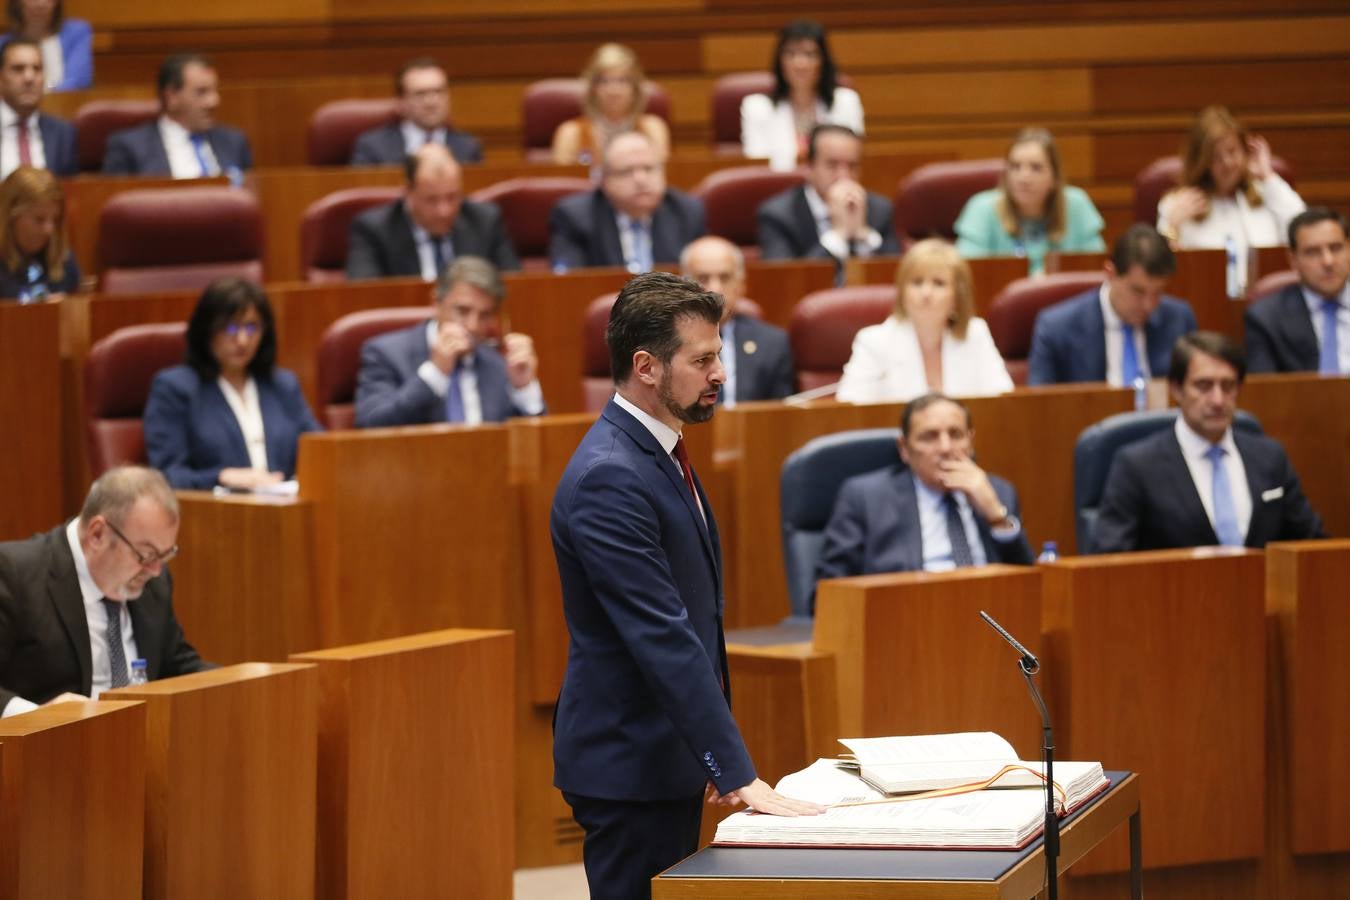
[
  {"x": 185, "y": 141},
  {"x": 424, "y": 107},
  {"x": 431, "y": 225},
  {"x": 936, "y": 511},
  {"x": 832, "y": 215},
  {"x": 39, "y": 140},
  {"x": 445, "y": 369},
  {"x": 1306, "y": 326},
  {"x": 1119, "y": 332},
  {"x": 81, "y": 602},
  {"x": 756, "y": 355},
  {"x": 631, "y": 220},
  {"x": 1201, "y": 482}
]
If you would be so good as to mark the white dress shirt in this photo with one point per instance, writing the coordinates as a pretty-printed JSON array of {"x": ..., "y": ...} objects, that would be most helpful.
[
  {"x": 248, "y": 413},
  {"x": 1115, "y": 343},
  {"x": 183, "y": 162},
  {"x": 769, "y": 130},
  {"x": 728, "y": 357},
  {"x": 666, "y": 436},
  {"x": 1193, "y": 450},
  {"x": 9, "y": 141},
  {"x": 833, "y": 240},
  {"x": 529, "y": 399},
  {"x": 1314, "y": 301},
  {"x": 886, "y": 365}
]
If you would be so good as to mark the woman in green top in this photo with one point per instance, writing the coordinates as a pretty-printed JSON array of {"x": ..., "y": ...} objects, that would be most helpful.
[{"x": 1033, "y": 212}]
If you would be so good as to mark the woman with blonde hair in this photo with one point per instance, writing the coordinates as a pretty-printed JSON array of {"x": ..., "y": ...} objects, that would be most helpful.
[
  {"x": 932, "y": 342},
  {"x": 35, "y": 257},
  {"x": 614, "y": 103},
  {"x": 1033, "y": 212}
]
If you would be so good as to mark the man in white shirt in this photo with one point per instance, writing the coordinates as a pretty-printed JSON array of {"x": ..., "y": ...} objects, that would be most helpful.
[
  {"x": 1202, "y": 482},
  {"x": 451, "y": 369},
  {"x": 424, "y": 118},
  {"x": 79, "y": 603},
  {"x": 29, "y": 137}
]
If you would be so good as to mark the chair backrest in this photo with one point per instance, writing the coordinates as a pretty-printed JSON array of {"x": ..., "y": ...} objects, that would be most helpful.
[
  {"x": 552, "y": 101},
  {"x": 824, "y": 324},
  {"x": 97, "y": 119},
  {"x": 525, "y": 204},
  {"x": 1271, "y": 283},
  {"x": 727, "y": 94},
  {"x": 339, "y": 357},
  {"x": 335, "y": 126},
  {"x": 928, "y": 200},
  {"x": 170, "y": 239},
  {"x": 810, "y": 481},
  {"x": 1163, "y": 174},
  {"x": 324, "y": 227},
  {"x": 1096, "y": 448},
  {"x": 117, "y": 376},
  {"x": 731, "y": 199},
  {"x": 1012, "y": 314}
]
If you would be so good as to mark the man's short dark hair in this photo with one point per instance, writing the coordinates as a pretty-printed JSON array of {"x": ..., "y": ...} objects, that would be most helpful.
[
  {"x": 827, "y": 128},
  {"x": 418, "y": 62},
  {"x": 1211, "y": 343},
  {"x": 647, "y": 316},
  {"x": 919, "y": 404},
  {"x": 1142, "y": 246},
  {"x": 18, "y": 42},
  {"x": 1314, "y": 215},
  {"x": 171, "y": 70}
]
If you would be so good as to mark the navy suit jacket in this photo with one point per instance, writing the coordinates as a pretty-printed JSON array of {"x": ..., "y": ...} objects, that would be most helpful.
[
  {"x": 1280, "y": 335},
  {"x": 44, "y": 635},
  {"x": 139, "y": 150},
  {"x": 58, "y": 145},
  {"x": 787, "y": 230},
  {"x": 643, "y": 714},
  {"x": 380, "y": 243},
  {"x": 875, "y": 527},
  {"x": 764, "y": 368},
  {"x": 1069, "y": 339},
  {"x": 191, "y": 432},
  {"x": 390, "y": 392},
  {"x": 1150, "y": 501},
  {"x": 384, "y": 146},
  {"x": 583, "y": 232}
]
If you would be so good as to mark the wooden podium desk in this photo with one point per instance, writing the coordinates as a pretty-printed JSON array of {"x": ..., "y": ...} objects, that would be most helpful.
[
  {"x": 30, "y": 408},
  {"x": 826, "y": 873}
]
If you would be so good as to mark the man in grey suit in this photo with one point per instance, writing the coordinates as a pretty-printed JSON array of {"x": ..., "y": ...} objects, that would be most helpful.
[
  {"x": 50, "y": 141},
  {"x": 936, "y": 511},
  {"x": 424, "y": 118},
  {"x": 756, "y": 355},
  {"x": 432, "y": 224},
  {"x": 79, "y": 603}
]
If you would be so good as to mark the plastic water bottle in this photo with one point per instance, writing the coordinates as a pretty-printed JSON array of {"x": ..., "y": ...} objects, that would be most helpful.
[
  {"x": 1140, "y": 393},
  {"x": 138, "y": 672},
  {"x": 1233, "y": 276},
  {"x": 1049, "y": 552}
]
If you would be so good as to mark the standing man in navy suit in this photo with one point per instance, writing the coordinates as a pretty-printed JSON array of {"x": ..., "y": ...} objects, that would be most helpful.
[
  {"x": 1200, "y": 482},
  {"x": 643, "y": 728},
  {"x": 935, "y": 511},
  {"x": 756, "y": 355},
  {"x": 184, "y": 141},
  {"x": 29, "y": 137},
  {"x": 632, "y": 219},
  {"x": 445, "y": 370},
  {"x": 424, "y": 118},
  {"x": 1306, "y": 326},
  {"x": 1123, "y": 330}
]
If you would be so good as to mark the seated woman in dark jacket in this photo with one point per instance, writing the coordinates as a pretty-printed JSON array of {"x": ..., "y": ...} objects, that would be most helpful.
[
  {"x": 228, "y": 416},
  {"x": 35, "y": 258}
]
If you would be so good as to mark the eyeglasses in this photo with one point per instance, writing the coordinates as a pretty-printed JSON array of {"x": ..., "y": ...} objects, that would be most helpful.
[
  {"x": 248, "y": 329},
  {"x": 157, "y": 558}
]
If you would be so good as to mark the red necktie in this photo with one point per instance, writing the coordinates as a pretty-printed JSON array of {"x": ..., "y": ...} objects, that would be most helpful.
[
  {"x": 25, "y": 156},
  {"x": 682, "y": 457}
]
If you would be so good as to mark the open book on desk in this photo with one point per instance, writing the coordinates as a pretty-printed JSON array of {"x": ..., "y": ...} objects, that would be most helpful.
[{"x": 926, "y": 762}]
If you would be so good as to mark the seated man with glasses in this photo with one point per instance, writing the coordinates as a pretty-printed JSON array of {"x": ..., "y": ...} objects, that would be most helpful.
[{"x": 79, "y": 603}]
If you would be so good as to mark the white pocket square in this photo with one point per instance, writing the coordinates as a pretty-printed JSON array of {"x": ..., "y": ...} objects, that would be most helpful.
[{"x": 1274, "y": 493}]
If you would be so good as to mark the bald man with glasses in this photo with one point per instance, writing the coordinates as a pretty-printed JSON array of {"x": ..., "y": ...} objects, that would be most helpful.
[{"x": 79, "y": 603}]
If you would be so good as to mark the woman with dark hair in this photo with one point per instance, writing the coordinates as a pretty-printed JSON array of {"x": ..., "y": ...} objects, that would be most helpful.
[
  {"x": 1033, "y": 212},
  {"x": 35, "y": 257},
  {"x": 805, "y": 95},
  {"x": 67, "y": 54},
  {"x": 228, "y": 416}
]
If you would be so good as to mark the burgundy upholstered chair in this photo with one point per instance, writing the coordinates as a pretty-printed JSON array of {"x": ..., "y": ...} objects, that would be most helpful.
[
  {"x": 335, "y": 126},
  {"x": 339, "y": 357},
  {"x": 324, "y": 227},
  {"x": 929, "y": 199},
  {"x": 97, "y": 119},
  {"x": 727, "y": 94},
  {"x": 525, "y": 204},
  {"x": 1161, "y": 175},
  {"x": 1012, "y": 314},
  {"x": 173, "y": 239},
  {"x": 824, "y": 324},
  {"x": 552, "y": 101},
  {"x": 117, "y": 376},
  {"x": 731, "y": 199},
  {"x": 1271, "y": 283}
]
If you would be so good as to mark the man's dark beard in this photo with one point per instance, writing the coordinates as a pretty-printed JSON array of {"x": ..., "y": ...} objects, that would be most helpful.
[{"x": 692, "y": 414}]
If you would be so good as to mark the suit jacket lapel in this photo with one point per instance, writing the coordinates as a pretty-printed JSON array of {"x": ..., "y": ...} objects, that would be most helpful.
[
  {"x": 608, "y": 245},
  {"x": 808, "y": 234},
  {"x": 275, "y": 432},
  {"x": 402, "y": 244},
  {"x": 63, "y": 588},
  {"x": 907, "y": 510},
  {"x": 492, "y": 389},
  {"x": 665, "y": 232},
  {"x": 225, "y": 414},
  {"x": 1156, "y": 345},
  {"x": 1298, "y": 327},
  {"x": 158, "y": 149},
  {"x": 1258, "y": 480},
  {"x": 1174, "y": 477},
  {"x": 1093, "y": 342},
  {"x": 747, "y": 364}
]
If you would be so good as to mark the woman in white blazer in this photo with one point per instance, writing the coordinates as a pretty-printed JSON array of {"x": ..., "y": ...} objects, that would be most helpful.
[
  {"x": 933, "y": 342},
  {"x": 805, "y": 95}
]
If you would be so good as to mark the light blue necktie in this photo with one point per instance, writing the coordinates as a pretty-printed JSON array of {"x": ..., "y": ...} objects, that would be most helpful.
[
  {"x": 1225, "y": 512},
  {"x": 199, "y": 147},
  {"x": 1129, "y": 357},
  {"x": 1329, "y": 362},
  {"x": 641, "y": 260}
]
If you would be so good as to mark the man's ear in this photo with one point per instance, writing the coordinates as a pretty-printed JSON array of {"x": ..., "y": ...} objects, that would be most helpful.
[{"x": 646, "y": 368}]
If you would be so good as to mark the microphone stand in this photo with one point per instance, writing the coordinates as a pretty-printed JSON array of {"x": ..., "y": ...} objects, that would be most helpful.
[{"x": 1028, "y": 665}]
